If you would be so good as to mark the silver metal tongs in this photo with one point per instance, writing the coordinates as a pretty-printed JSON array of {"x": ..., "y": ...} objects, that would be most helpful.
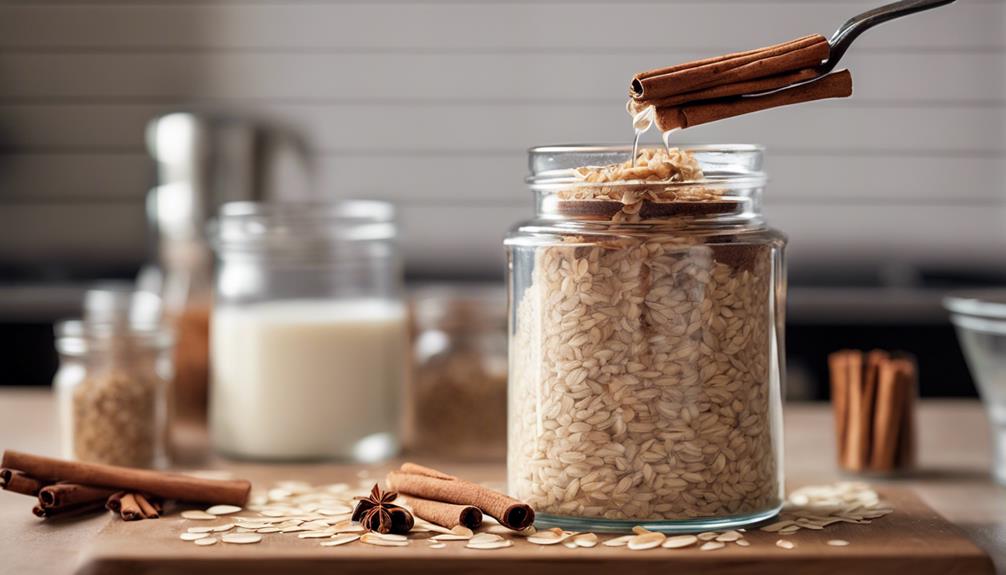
[{"x": 853, "y": 27}]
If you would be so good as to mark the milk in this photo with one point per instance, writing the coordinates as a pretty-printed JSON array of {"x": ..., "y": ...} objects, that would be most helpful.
[{"x": 307, "y": 379}]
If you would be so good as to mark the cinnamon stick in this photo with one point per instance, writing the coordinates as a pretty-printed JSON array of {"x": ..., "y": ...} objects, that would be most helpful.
[
  {"x": 165, "y": 485},
  {"x": 805, "y": 52},
  {"x": 68, "y": 511},
  {"x": 146, "y": 506},
  {"x": 887, "y": 418},
  {"x": 446, "y": 514},
  {"x": 855, "y": 442},
  {"x": 18, "y": 482},
  {"x": 906, "y": 435},
  {"x": 61, "y": 495},
  {"x": 874, "y": 360},
  {"x": 838, "y": 366},
  {"x": 426, "y": 483},
  {"x": 760, "y": 85},
  {"x": 129, "y": 508},
  {"x": 836, "y": 85}
]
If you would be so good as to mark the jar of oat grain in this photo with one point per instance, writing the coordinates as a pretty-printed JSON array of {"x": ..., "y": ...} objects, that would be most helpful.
[
  {"x": 111, "y": 387},
  {"x": 646, "y": 341}
]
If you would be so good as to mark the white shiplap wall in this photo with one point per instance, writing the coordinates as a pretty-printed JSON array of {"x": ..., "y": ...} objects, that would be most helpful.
[{"x": 432, "y": 104}]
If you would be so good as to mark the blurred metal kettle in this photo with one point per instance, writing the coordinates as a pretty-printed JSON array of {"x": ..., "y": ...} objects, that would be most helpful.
[{"x": 204, "y": 160}]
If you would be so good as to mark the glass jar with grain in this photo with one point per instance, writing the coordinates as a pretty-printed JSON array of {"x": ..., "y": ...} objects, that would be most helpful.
[
  {"x": 646, "y": 341},
  {"x": 112, "y": 383}
]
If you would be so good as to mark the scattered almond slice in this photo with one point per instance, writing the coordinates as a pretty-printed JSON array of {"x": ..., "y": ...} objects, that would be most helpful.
[
  {"x": 268, "y": 530},
  {"x": 648, "y": 540},
  {"x": 335, "y": 510},
  {"x": 316, "y": 535},
  {"x": 223, "y": 509},
  {"x": 789, "y": 530},
  {"x": 197, "y": 515},
  {"x": 838, "y": 542},
  {"x": 712, "y": 545},
  {"x": 640, "y": 530},
  {"x": 191, "y": 536},
  {"x": 225, "y": 527},
  {"x": 618, "y": 541},
  {"x": 462, "y": 531},
  {"x": 241, "y": 538},
  {"x": 372, "y": 539},
  {"x": 743, "y": 542},
  {"x": 728, "y": 536},
  {"x": 340, "y": 540},
  {"x": 550, "y": 537},
  {"x": 391, "y": 536},
  {"x": 437, "y": 545},
  {"x": 569, "y": 544},
  {"x": 585, "y": 540},
  {"x": 498, "y": 543},
  {"x": 206, "y": 541},
  {"x": 200, "y": 529},
  {"x": 785, "y": 544},
  {"x": 679, "y": 541},
  {"x": 708, "y": 535}
]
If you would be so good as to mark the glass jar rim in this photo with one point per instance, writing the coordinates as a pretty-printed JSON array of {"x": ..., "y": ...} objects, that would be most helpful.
[
  {"x": 79, "y": 336},
  {"x": 722, "y": 165},
  {"x": 302, "y": 223}
]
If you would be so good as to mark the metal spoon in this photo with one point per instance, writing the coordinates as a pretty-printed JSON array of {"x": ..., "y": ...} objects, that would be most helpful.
[{"x": 856, "y": 25}]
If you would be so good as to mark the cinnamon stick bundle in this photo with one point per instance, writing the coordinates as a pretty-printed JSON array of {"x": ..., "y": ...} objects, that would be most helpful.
[
  {"x": 447, "y": 515},
  {"x": 423, "y": 482},
  {"x": 164, "y": 485},
  {"x": 805, "y": 52},
  {"x": 874, "y": 403},
  {"x": 836, "y": 85},
  {"x": 134, "y": 506}
]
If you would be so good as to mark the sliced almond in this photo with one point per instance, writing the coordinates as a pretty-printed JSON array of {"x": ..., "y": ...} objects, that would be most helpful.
[
  {"x": 679, "y": 541},
  {"x": 206, "y": 541},
  {"x": 838, "y": 542},
  {"x": 225, "y": 527},
  {"x": 315, "y": 534},
  {"x": 340, "y": 540},
  {"x": 373, "y": 539},
  {"x": 773, "y": 527},
  {"x": 197, "y": 515},
  {"x": 437, "y": 545},
  {"x": 391, "y": 536},
  {"x": 549, "y": 537},
  {"x": 708, "y": 535},
  {"x": 640, "y": 530},
  {"x": 618, "y": 541},
  {"x": 206, "y": 529},
  {"x": 785, "y": 544},
  {"x": 712, "y": 545},
  {"x": 191, "y": 536},
  {"x": 585, "y": 540},
  {"x": 223, "y": 509},
  {"x": 241, "y": 538},
  {"x": 743, "y": 542},
  {"x": 648, "y": 540},
  {"x": 728, "y": 536},
  {"x": 499, "y": 543},
  {"x": 268, "y": 530},
  {"x": 335, "y": 510}
]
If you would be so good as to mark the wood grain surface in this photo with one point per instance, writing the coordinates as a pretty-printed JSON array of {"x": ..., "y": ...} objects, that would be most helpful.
[
  {"x": 913, "y": 539},
  {"x": 953, "y": 478}
]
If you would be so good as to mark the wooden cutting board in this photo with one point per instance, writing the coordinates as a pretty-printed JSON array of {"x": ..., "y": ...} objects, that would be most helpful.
[{"x": 914, "y": 540}]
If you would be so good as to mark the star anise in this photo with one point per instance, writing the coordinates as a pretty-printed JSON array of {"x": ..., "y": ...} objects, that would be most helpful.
[{"x": 378, "y": 513}]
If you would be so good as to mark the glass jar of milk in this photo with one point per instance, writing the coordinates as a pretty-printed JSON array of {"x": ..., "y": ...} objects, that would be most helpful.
[{"x": 308, "y": 335}]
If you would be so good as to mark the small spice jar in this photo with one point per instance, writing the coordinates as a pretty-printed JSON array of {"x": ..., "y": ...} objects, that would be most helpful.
[
  {"x": 111, "y": 386},
  {"x": 459, "y": 384},
  {"x": 646, "y": 342},
  {"x": 309, "y": 332}
]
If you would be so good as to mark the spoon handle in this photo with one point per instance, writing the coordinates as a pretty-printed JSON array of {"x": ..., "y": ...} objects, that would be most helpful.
[{"x": 856, "y": 25}]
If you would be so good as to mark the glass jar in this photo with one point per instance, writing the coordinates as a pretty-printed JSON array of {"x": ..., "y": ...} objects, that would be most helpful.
[
  {"x": 459, "y": 386},
  {"x": 111, "y": 386},
  {"x": 308, "y": 333},
  {"x": 646, "y": 346}
]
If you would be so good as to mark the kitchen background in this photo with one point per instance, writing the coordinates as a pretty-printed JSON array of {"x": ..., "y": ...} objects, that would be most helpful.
[{"x": 890, "y": 198}]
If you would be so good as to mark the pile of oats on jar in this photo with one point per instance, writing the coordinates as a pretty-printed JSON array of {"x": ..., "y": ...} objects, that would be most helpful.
[{"x": 641, "y": 374}]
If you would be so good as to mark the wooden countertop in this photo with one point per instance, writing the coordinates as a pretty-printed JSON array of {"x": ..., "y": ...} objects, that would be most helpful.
[{"x": 953, "y": 476}]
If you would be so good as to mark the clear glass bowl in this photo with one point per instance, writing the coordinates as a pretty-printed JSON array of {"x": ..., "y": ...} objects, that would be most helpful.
[{"x": 980, "y": 320}]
